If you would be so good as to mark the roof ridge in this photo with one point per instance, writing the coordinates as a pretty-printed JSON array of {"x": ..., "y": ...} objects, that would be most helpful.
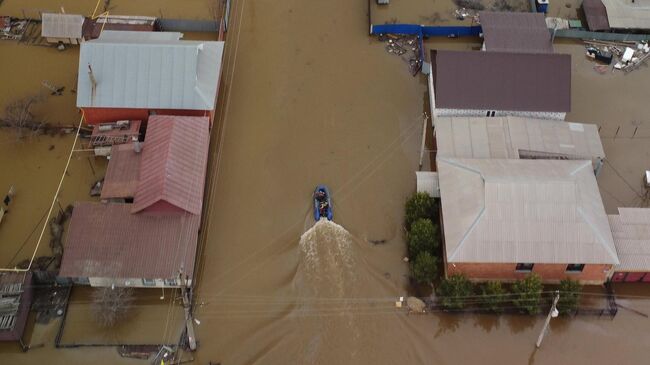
[{"x": 599, "y": 237}]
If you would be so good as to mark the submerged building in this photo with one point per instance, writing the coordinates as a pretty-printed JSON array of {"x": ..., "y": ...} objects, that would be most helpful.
[
  {"x": 130, "y": 75},
  {"x": 144, "y": 233},
  {"x": 504, "y": 218}
]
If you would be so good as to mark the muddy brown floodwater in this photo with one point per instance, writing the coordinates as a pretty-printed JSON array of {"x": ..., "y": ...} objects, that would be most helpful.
[{"x": 308, "y": 97}]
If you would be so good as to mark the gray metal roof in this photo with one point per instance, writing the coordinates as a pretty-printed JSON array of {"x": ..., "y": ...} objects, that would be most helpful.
[
  {"x": 515, "y": 32},
  {"x": 56, "y": 25},
  {"x": 138, "y": 36},
  {"x": 136, "y": 73},
  {"x": 631, "y": 231},
  {"x": 509, "y": 211},
  {"x": 507, "y": 137},
  {"x": 501, "y": 81},
  {"x": 628, "y": 14}
]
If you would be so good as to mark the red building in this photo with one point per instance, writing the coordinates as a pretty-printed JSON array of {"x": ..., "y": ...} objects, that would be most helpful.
[
  {"x": 150, "y": 242},
  {"x": 132, "y": 75}
]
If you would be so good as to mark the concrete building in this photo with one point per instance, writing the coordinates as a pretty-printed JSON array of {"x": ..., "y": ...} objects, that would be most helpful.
[
  {"x": 495, "y": 84},
  {"x": 131, "y": 75},
  {"x": 631, "y": 232},
  {"x": 517, "y": 138},
  {"x": 150, "y": 242},
  {"x": 62, "y": 28},
  {"x": 517, "y": 32},
  {"x": 505, "y": 218}
]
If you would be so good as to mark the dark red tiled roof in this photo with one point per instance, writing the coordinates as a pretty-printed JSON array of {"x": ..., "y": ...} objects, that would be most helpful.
[
  {"x": 501, "y": 81},
  {"x": 173, "y": 165},
  {"x": 106, "y": 240},
  {"x": 121, "y": 180}
]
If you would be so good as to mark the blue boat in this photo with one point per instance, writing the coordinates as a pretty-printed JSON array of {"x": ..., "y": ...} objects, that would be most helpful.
[{"x": 322, "y": 203}]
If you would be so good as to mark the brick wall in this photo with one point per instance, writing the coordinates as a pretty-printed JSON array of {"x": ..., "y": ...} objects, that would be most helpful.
[
  {"x": 550, "y": 273},
  {"x": 109, "y": 115}
]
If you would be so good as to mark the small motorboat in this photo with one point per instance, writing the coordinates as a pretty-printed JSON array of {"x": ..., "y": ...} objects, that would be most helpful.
[{"x": 322, "y": 203}]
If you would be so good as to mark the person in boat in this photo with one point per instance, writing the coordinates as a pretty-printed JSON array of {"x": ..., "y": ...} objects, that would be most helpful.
[
  {"x": 323, "y": 208},
  {"x": 320, "y": 195}
]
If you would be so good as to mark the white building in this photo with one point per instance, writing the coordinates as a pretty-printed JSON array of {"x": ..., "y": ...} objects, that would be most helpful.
[{"x": 63, "y": 28}]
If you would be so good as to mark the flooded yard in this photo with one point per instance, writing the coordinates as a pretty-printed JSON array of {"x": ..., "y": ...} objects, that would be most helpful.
[{"x": 308, "y": 98}]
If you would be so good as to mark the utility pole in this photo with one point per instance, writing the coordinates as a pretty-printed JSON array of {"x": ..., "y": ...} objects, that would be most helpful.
[{"x": 551, "y": 314}]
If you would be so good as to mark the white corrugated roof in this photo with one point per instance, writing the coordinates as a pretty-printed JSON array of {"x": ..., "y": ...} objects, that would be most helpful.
[
  {"x": 62, "y": 25},
  {"x": 631, "y": 231},
  {"x": 137, "y": 36},
  {"x": 628, "y": 14},
  {"x": 506, "y": 137},
  {"x": 509, "y": 211},
  {"x": 136, "y": 73}
]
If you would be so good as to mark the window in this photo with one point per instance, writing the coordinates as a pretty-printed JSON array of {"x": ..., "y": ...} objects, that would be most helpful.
[
  {"x": 170, "y": 282},
  {"x": 492, "y": 114},
  {"x": 575, "y": 268},
  {"x": 523, "y": 267},
  {"x": 149, "y": 282},
  {"x": 487, "y": 114}
]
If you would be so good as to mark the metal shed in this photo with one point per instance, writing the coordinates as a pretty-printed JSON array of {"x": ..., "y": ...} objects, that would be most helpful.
[{"x": 64, "y": 28}]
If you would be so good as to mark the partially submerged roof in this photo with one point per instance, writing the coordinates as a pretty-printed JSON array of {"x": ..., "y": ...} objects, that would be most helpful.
[
  {"x": 121, "y": 180},
  {"x": 57, "y": 25},
  {"x": 516, "y": 137},
  {"x": 174, "y": 162},
  {"x": 106, "y": 240},
  {"x": 501, "y": 81},
  {"x": 510, "y": 211},
  {"x": 515, "y": 32},
  {"x": 631, "y": 231},
  {"x": 131, "y": 72},
  {"x": 16, "y": 298},
  {"x": 596, "y": 15},
  {"x": 627, "y": 14}
]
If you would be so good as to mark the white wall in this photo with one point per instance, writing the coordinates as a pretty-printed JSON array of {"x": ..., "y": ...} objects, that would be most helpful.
[
  {"x": 498, "y": 113},
  {"x": 130, "y": 282}
]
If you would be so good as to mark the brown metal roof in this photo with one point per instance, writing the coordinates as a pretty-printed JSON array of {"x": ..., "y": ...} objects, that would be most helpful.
[
  {"x": 107, "y": 241},
  {"x": 501, "y": 81},
  {"x": 515, "y": 32},
  {"x": 596, "y": 15},
  {"x": 174, "y": 161},
  {"x": 121, "y": 180}
]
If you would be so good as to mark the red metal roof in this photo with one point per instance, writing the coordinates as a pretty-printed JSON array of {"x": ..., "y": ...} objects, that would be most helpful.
[
  {"x": 121, "y": 180},
  {"x": 173, "y": 166},
  {"x": 106, "y": 240}
]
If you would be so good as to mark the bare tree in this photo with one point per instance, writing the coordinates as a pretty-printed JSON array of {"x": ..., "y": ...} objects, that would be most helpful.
[
  {"x": 19, "y": 116},
  {"x": 110, "y": 305}
]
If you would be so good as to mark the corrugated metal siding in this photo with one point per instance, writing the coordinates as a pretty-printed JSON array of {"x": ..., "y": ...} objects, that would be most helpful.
[
  {"x": 174, "y": 162},
  {"x": 544, "y": 211},
  {"x": 106, "y": 240},
  {"x": 154, "y": 75},
  {"x": 121, "y": 180},
  {"x": 515, "y": 32},
  {"x": 504, "y": 137},
  {"x": 631, "y": 231},
  {"x": 502, "y": 81},
  {"x": 62, "y": 25}
]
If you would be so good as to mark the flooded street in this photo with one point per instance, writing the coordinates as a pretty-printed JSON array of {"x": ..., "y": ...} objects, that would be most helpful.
[{"x": 309, "y": 98}]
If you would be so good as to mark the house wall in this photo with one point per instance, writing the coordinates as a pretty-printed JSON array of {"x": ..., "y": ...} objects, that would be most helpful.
[
  {"x": 64, "y": 40},
  {"x": 551, "y": 273},
  {"x": 108, "y": 115},
  {"x": 441, "y": 112},
  {"x": 131, "y": 283}
]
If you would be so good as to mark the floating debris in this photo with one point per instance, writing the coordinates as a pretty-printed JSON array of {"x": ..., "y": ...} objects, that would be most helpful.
[
  {"x": 406, "y": 46},
  {"x": 629, "y": 55}
]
